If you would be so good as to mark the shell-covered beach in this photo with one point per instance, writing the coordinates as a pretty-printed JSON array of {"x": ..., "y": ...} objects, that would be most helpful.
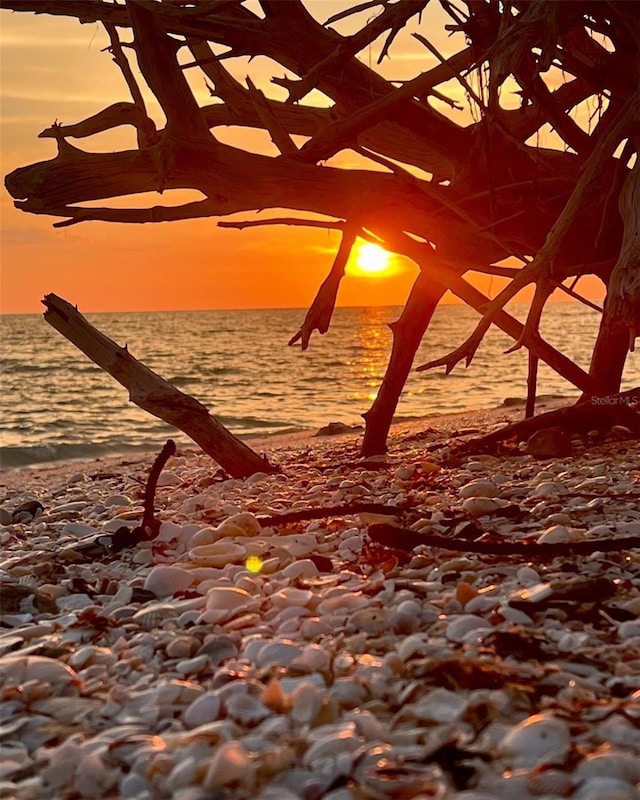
[{"x": 237, "y": 657}]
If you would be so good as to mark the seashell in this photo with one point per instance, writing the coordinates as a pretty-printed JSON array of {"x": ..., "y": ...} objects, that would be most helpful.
[
  {"x": 273, "y": 697},
  {"x": 246, "y": 709},
  {"x": 92, "y": 777},
  {"x": 598, "y": 788},
  {"x": 540, "y": 738},
  {"x": 440, "y": 705},
  {"x": 370, "y": 620},
  {"x": 217, "y": 554},
  {"x": 609, "y": 763},
  {"x": 219, "y": 649},
  {"x": 312, "y": 659},
  {"x": 277, "y": 654},
  {"x": 415, "y": 645},
  {"x": 339, "y": 740},
  {"x": 304, "y": 568},
  {"x": 348, "y": 692},
  {"x": 343, "y": 602},
  {"x": 18, "y": 670},
  {"x": 203, "y": 709},
  {"x": 246, "y": 522},
  {"x": 306, "y": 702},
  {"x": 629, "y": 629},
  {"x": 291, "y": 596},
  {"x": 556, "y": 534},
  {"x": 550, "y": 782},
  {"x": 479, "y": 488},
  {"x": 191, "y": 666},
  {"x": 467, "y": 628},
  {"x": 230, "y": 764},
  {"x": 165, "y": 581},
  {"x": 397, "y": 780},
  {"x": 548, "y": 489},
  {"x": 226, "y": 602},
  {"x": 479, "y": 506}
]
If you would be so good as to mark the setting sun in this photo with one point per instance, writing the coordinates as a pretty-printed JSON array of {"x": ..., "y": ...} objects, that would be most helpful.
[{"x": 371, "y": 259}]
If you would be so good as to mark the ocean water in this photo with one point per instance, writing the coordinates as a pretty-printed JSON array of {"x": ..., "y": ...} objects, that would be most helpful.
[{"x": 55, "y": 404}]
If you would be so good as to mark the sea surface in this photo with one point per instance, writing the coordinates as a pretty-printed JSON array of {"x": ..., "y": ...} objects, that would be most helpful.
[{"x": 55, "y": 404}]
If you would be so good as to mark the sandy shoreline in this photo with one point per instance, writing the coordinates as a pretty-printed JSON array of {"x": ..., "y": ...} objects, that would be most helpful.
[
  {"x": 481, "y": 419},
  {"x": 239, "y": 659}
]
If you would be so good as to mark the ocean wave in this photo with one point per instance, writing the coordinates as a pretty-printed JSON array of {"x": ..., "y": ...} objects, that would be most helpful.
[{"x": 20, "y": 457}]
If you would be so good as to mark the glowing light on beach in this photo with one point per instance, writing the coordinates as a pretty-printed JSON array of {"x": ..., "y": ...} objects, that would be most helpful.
[
  {"x": 254, "y": 564},
  {"x": 371, "y": 259}
]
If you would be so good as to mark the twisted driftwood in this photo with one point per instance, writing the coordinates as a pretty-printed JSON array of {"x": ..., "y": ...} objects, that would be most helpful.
[{"x": 452, "y": 197}]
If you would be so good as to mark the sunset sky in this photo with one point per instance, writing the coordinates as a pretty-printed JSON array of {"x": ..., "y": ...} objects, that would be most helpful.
[{"x": 53, "y": 69}]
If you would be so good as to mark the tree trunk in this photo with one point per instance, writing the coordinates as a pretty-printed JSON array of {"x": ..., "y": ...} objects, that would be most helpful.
[
  {"x": 408, "y": 331},
  {"x": 153, "y": 393},
  {"x": 609, "y": 357}
]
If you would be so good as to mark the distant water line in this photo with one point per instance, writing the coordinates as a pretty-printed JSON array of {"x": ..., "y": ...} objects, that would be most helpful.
[{"x": 56, "y": 405}]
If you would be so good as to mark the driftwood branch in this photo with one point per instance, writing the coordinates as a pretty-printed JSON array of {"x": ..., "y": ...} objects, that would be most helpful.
[
  {"x": 154, "y": 394},
  {"x": 586, "y": 415},
  {"x": 407, "y": 540}
]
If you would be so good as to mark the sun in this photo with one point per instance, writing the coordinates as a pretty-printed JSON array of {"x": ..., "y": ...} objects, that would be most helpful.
[{"x": 371, "y": 259}]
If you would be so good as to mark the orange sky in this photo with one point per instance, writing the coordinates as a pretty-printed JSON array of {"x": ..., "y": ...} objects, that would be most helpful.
[{"x": 53, "y": 69}]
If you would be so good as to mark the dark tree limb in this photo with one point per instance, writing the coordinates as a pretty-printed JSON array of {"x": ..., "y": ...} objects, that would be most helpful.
[
  {"x": 154, "y": 394},
  {"x": 593, "y": 413},
  {"x": 407, "y": 540}
]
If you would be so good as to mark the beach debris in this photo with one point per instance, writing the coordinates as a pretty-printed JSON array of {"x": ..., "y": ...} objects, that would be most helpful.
[
  {"x": 27, "y": 511},
  {"x": 336, "y": 428},
  {"x": 154, "y": 394}
]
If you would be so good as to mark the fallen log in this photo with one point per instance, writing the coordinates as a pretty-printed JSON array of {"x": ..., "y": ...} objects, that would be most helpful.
[{"x": 154, "y": 394}]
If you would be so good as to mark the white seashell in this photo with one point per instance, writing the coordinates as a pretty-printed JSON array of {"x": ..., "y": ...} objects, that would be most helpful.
[
  {"x": 204, "y": 536},
  {"x": 165, "y": 581},
  {"x": 540, "y": 738},
  {"x": 217, "y": 554},
  {"x": 343, "y": 602},
  {"x": 556, "y": 534},
  {"x": 291, "y": 596},
  {"x": 618, "y": 764},
  {"x": 440, "y": 705},
  {"x": 331, "y": 745},
  {"x": 479, "y": 488},
  {"x": 479, "y": 506},
  {"x": 191, "y": 666},
  {"x": 246, "y": 709},
  {"x": 597, "y": 788},
  {"x": 230, "y": 764},
  {"x": 466, "y": 628},
  {"x": 202, "y": 710},
  {"x": 550, "y": 782},
  {"x": 226, "y": 602},
  {"x": 312, "y": 659},
  {"x": 300, "y": 569},
  {"x": 415, "y": 645},
  {"x": 629, "y": 629},
  {"x": 92, "y": 778},
  {"x": 18, "y": 670},
  {"x": 306, "y": 702},
  {"x": 548, "y": 489},
  {"x": 169, "y": 479},
  {"x": 277, "y": 654},
  {"x": 245, "y": 521}
]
